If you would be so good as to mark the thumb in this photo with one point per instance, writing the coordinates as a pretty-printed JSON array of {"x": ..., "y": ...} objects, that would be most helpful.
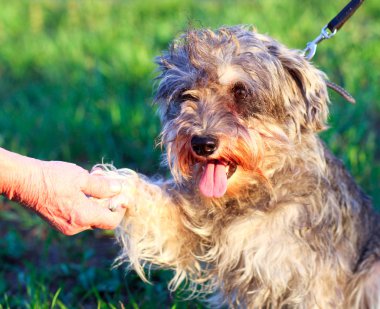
[{"x": 101, "y": 186}]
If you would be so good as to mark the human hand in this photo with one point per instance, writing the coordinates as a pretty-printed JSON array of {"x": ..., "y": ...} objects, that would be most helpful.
[{"x": 69, "y": 198}]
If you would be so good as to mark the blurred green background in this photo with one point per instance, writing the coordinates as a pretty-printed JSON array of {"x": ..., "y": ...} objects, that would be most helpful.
[{"x": 76, "y": 85}]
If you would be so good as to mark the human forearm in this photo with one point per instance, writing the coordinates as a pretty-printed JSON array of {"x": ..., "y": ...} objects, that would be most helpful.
[{"x": 17, "y": 176}]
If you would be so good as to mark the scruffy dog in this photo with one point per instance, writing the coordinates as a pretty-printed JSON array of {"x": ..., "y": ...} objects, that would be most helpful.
[{"x": 259, "y": 213}]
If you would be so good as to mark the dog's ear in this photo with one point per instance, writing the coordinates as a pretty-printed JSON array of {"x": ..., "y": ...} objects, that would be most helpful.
[
  {"x": 168, "y": 83},
  {"x": 310, "y": 104},
  {"x": 174, "y": 74},
  {"x": 163, "y": 83}
]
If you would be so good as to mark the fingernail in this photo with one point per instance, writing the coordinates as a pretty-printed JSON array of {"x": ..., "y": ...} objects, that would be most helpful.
[{"x": 115, "y": 186}]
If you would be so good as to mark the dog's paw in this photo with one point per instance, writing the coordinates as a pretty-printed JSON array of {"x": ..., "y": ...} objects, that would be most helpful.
[{"x": 128, "y": 180}]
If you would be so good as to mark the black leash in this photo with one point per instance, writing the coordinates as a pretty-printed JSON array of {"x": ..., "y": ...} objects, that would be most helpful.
[
  {"x": 339, "y": 20},
  {"x": 332, "y": 27}
]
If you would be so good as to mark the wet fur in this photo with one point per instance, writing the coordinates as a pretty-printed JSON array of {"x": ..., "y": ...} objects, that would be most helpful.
[{"x": 293, "y": 229}]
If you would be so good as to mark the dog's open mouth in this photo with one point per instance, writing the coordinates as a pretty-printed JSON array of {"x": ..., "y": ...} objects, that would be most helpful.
[{"x": 215, "y": 174}]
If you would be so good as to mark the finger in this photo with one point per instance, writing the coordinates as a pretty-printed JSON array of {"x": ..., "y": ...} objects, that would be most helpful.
[
  {"x": 96, "y": 170},
  {"x": 102, "y": 187},
  {"x": 67, "y": 228},
  {"x": 114, "y": 220},
  {"x": 102, "y": 217},
  {"x": 119, "y": 201},
  {"x": 70, "y": 231}
]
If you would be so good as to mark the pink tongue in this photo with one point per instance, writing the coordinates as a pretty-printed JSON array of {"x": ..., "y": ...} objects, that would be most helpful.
[{"x": 213, "y": 181}]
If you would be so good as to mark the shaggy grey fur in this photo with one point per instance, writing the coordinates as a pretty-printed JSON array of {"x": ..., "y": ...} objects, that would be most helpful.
[{"x": 292, "y": 230}]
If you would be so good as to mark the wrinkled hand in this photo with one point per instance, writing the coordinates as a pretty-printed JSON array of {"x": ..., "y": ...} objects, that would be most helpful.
[{"x": 69, "y": 198}]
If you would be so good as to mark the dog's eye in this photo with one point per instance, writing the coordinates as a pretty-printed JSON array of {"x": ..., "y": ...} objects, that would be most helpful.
[
  {"x": 185, "y": 96},
  {"x": 240, "y": 92}
]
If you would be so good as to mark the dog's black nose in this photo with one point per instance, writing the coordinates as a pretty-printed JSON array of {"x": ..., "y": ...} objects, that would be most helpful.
[{"x": 204, "y": 145}]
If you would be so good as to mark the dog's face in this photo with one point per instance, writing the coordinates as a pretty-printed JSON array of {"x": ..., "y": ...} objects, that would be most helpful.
[{"x": 231, "y": 101}]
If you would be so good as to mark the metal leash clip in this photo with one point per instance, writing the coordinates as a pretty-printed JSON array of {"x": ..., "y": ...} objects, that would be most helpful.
[
  {"x": 332, "y": 27},
  {"x": 311, "y": 47}
]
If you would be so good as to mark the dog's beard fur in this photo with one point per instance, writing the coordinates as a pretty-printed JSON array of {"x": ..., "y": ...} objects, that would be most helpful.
[{"x": 292, "y": 225}]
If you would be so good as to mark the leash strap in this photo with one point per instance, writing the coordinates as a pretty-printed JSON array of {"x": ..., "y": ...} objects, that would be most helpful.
[
  {"x": 341, "y": 91},
  {"x": 339, "y": 20},
  {"x": 332, "y": 27}
]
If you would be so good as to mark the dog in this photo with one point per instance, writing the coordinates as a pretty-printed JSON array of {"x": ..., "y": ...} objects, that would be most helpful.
[{"x": 258, "y": 212}]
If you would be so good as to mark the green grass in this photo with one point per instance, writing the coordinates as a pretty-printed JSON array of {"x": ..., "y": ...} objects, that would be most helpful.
[{"x": 76, "y": 85}]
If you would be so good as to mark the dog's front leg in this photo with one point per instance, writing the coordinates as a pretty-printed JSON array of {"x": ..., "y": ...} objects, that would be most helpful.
[{"x": 153, "y": 231}]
